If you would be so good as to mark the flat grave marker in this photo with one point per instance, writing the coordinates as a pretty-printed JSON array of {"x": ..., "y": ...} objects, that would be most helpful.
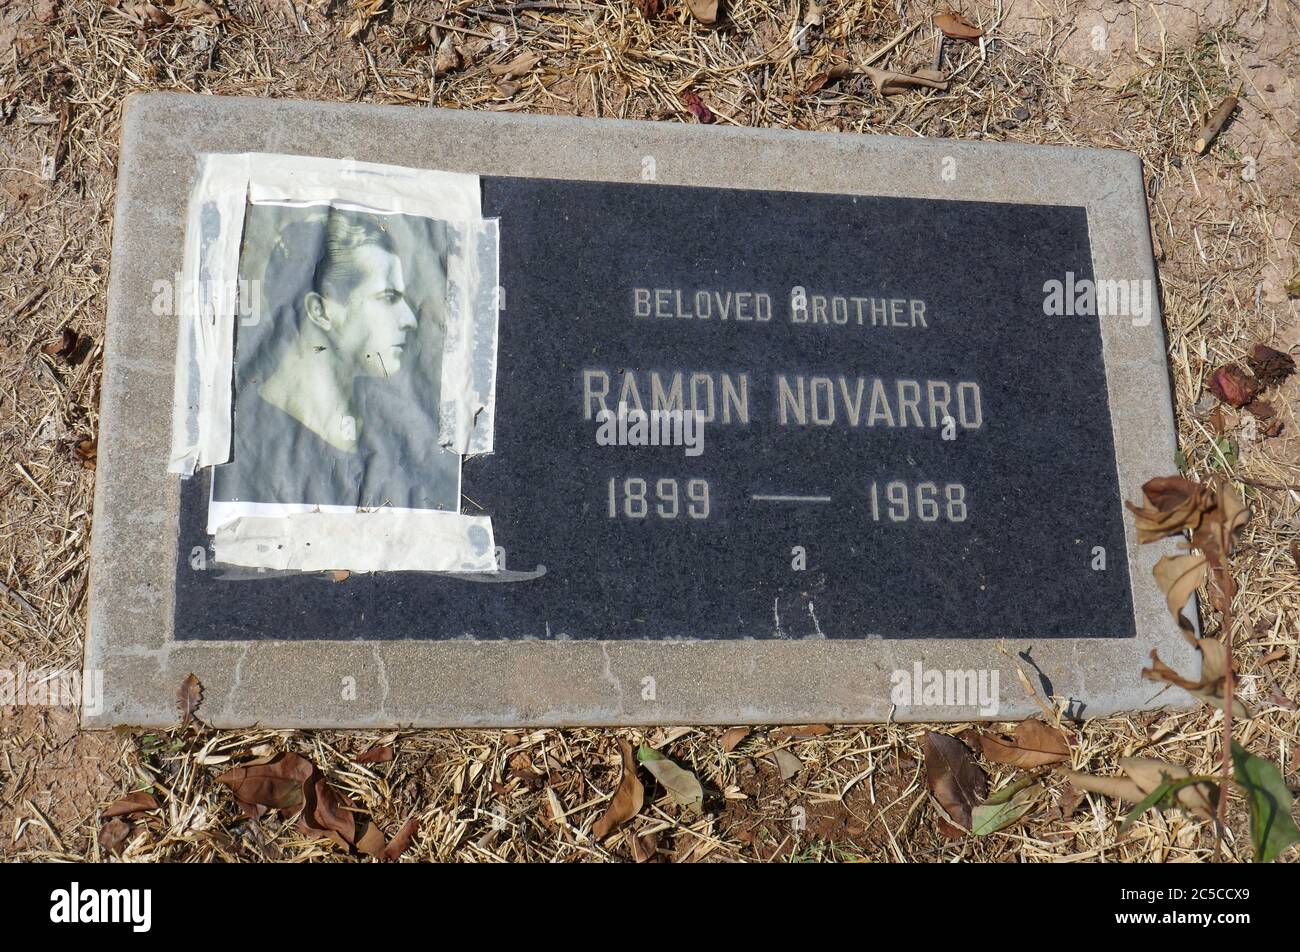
[{"x": 787, "y": 428}]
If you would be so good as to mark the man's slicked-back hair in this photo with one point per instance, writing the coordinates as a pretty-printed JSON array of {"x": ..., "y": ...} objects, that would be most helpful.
[{"x": 319, "y": 254}]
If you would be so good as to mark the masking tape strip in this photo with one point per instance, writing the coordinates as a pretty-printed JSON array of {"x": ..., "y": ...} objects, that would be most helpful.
[
  {"x": 469, "y": 354},
  {"x": 208, "y": 296},
  {"x": 379, "y": 541}
]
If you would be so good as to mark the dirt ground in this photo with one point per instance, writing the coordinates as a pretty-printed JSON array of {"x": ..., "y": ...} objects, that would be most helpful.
[{"x": 1136, "y": 76}]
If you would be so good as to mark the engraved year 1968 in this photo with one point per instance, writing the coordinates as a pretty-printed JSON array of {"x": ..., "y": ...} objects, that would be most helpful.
[{"x": 927, "y": 502}]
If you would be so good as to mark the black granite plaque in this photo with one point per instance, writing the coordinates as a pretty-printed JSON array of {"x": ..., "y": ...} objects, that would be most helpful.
[{"x": 897, "y": 441}]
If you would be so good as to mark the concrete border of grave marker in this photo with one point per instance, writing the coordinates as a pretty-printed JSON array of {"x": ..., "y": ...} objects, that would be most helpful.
[{"x": 510, "y": 683}]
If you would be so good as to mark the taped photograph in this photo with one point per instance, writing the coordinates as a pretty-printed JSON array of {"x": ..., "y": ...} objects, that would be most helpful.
[{"x": 338, "y": 363}]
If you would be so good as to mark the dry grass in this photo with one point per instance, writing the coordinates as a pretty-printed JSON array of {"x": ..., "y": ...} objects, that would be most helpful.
[{"x": 1226, "y": 246}]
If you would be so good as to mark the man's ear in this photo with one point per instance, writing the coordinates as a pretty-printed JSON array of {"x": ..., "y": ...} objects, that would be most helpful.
[{"x": 314, "y": 308}]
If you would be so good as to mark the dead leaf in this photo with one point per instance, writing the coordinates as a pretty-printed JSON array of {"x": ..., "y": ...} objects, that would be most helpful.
[
  {"x": 188, "y": 698},
  {"x": 376, "y": 755},
  {"x": 340, "y": 575},
  {"x": 448, "y": 58},
  {"x": 371, "y": 841},
  {"x": 1211, "y": 686},
  {"x": 1172, "y": 505},
  {"x": 136, "y": 802},
  {"x": 697, "y": 108},
  {"x": 1261, "y": 409},
  {"x": 277, "y": 784},
  {"x": 627, "y": 800},
  {"x": 64, "y": 347},
  {"x": 517, "y": 67},
  {"x": 706, "y": 11},
  {"x": 1217, "y": 534},
  {"x": 643, "y": 847},
  {"x": 787, "y": 763},
  {"x": 1233, "y": 385},
  {"x": 1179, "y": 576},
  {"x": 802, "y": 732},
  {"x": 327, "y": 812},
  {"x": 1144, "y": 776},
  {"x": 1149, "y": 774},
  {"x": 649, "y": 8},
  {"x": 814, "y": 15},
  {"x": 1270, "y": 366},
  {"x": 889, "y": 83},
  {"x": 682, "y": 785},
  {"x": 113, "y": 836},
  {"x": 955, "y": 780},
  {"x": 820, "y": 80},
  {"x": 957, "y": 27},
  {"x": 87, "y": 451},
  {"x": 1121, "y": 788},
  {"x": 402, "y": 841},
  {"x": 521, "y": 769},
  {"x": 1033, "y": 744},
  {"x": 732, "y": 737}
]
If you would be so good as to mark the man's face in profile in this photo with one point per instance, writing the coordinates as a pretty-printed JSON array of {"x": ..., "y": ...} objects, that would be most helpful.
[{"x": 369, "y": 328}]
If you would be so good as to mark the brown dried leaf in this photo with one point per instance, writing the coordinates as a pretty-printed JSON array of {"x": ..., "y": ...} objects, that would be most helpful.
[
  {"x": 889, "y": 83},
  {"x": 1033, "y": 744},
  {"x": 1149, "y": 774},
  {"x": 113, "y": 836},
  {"x": 448, "y": 58},
  {"x": 376, "y": 755},
  {"x": 732, "y": 737},
  {"x": 643, "y": 847},
  {"x": 955, "y": 780},
  {"x": 1217, "y": 534},
  {"x": 1178, "y": 577},
  {"x": 957, "y": 27},
  {"x": 402, "y": 841},
  {"x": 821, "y": 80},
  {"x": 1211, "y": 686},
  {"x": 627, "y": 800},
  {"x": 64, "y": 346},
  {"x": 1270, "y": 366},
  {"x": 706, "y": 11},
  {"x": 517, "y": 67},
  {"x": 1233, "y": 385},
  {"x": 137, "y": 802},
  {"x": 328, "y": 811},
  {"x": 278, "y": 784},
  {"x": 1121, "y": 788},
  {"x": 649, "y": 8},
  {"x": 87, "y": 451},
  {"x": 1261, "y": 409},
  {"x": 371, "y": 841},
  {"x": 787, "y": 763},
  {"x": 801, "y": 732},
  {"x": 1172, "y": 505},
  {"x": 188, "y": 698},
  {"x": 697, "y": 108}
]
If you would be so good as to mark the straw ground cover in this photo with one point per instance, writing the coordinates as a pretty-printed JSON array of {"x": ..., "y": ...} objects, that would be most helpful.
[{"x": 1138, "y": 77}]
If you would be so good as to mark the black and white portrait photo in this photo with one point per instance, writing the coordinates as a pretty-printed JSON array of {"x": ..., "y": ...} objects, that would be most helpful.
[{"x": 338, "y": 361}]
